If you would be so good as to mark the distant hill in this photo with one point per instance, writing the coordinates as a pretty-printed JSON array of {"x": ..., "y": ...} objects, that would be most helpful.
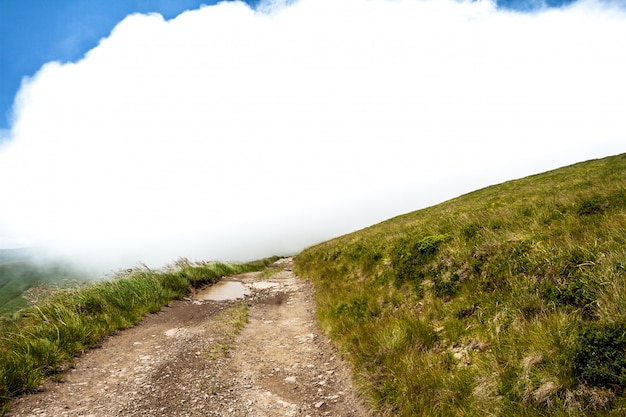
[
  {"x": 510, "y": 300},
  {"x": 19, "y": 272},
  {"x": 20, "y": 254}
]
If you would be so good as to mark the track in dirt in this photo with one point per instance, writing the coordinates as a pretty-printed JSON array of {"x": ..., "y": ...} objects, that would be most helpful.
[{"x": 187, "y": 361}]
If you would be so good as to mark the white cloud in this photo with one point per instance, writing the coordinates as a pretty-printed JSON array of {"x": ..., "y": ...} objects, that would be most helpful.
[{"x": 232, "y": 134}]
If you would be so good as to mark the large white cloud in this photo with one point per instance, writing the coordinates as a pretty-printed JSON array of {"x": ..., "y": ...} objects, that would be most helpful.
[{"x": 227, "y": 133}]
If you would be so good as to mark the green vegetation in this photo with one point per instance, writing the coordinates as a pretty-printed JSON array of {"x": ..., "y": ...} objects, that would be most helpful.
[
  {"x": 510, "y": 300},
  {"x": 270, "y": 272},
  {"x": 42, "y": 339},
  {"x": 11, "y": 255},
  {"x": 226, "y": 326},
  {"x": 18, "y": 276}
]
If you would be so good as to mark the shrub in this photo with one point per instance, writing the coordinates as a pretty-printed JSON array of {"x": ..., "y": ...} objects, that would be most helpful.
[
  {"x": 411, "y": 258},
  {"x": 470, "y": 231},
  {"x": 599, "y": 357},
  {"x": 591, "y": 205},
  {"x": 443, "y": 288}
]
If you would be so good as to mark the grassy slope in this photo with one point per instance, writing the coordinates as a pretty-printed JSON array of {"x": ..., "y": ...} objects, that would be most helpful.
[
  {"x": 11, "y": 255},
  {"x": 510, "y": 300},
  {"x": 16, "y": 277},
  {"x": 13, "y": 284}
]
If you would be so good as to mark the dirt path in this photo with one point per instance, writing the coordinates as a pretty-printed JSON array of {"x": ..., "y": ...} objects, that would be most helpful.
[{"x": 187, "y": 361}]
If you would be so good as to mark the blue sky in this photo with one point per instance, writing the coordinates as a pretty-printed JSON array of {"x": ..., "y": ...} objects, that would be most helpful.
[
  {"x": 232, "y": 133},
  {"x": 33, "y": 32}
]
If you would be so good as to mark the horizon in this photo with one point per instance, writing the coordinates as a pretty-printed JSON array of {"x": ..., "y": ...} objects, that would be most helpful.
[{"x": 236, "y": 131}]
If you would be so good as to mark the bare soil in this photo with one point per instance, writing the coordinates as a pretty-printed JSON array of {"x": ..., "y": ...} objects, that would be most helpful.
[{"x": 187, "y": 360}]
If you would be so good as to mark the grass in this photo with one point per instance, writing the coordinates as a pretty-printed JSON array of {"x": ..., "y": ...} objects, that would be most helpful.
[
  {"x": 510, "y": 300},
  {"x": 39, "y": 341},
  {"x": 17, "y": 276},
  {"x": 227, "y": 325},
  {"x": 270, "y": 272}
]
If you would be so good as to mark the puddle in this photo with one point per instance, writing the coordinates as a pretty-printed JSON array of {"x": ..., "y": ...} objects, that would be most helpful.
[{"x": 223, "y": 290}]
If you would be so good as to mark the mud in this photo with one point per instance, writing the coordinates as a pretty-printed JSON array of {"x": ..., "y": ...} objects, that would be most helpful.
[{"x": 223, "y": 291}]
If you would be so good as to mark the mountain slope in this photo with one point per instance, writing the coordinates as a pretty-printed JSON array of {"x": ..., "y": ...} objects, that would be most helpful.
[
  {"x": 18, "y": 276},
  {"x": 18, "y": 254},
  {"x": 510, "y": 300}
]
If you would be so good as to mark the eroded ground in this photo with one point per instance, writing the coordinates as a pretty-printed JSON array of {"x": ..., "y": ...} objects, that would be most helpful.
[{"x": 187, "y": 361}]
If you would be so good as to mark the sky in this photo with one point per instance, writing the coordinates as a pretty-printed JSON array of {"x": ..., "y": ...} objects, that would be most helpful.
[
  {"x": 143, "y": 131},
  {"x": 34, "y": 32}
]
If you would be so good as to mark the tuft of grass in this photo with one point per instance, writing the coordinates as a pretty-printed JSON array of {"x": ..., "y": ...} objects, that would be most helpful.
[
  {"x": 227, "y": 325},
  {"x": 270, "y": 272},
  {"x": 510, "y": 300}
]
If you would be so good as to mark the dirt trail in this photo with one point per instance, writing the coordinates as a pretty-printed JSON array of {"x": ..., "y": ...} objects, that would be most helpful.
[{"x": 186, "y": 361}]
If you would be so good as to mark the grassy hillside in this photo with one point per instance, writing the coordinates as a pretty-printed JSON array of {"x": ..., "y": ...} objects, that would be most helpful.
[
  {"x": 16, "y": 277},
  {"x": 510, "y": 300},
  {"x": 20, "y": 254}
]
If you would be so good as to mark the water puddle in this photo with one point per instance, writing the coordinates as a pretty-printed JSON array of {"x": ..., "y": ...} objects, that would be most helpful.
[{"x": 223, "y": 290}]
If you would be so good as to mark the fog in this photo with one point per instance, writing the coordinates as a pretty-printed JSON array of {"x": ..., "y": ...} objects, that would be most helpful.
[{"x": 233, "y": 134}]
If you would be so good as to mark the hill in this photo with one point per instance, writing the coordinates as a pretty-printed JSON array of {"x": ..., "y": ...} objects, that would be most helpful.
[
  {"x": 17, "y": 254},
  {"x": 510, "y": 300},
  {"x": 18, "y": 276}
]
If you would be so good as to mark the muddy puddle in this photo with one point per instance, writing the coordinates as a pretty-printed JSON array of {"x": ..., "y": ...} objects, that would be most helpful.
[{"x": 223, "y": 290}]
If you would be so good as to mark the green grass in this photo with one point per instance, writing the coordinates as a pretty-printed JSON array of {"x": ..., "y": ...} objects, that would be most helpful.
[
  {"x": 18, "y": 276},
  {"x": 42, "y": 339},
  {"x": 510, "y": 300},
  {"x": 270, "y": 272},
  {"x": 226, "y": 326}
]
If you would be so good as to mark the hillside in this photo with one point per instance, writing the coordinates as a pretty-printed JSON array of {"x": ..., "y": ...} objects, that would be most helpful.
[
  {"x": 18, "y": 254},
  {"x": 19, "y": 274},
  {"x": 510, "y": 300}
]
